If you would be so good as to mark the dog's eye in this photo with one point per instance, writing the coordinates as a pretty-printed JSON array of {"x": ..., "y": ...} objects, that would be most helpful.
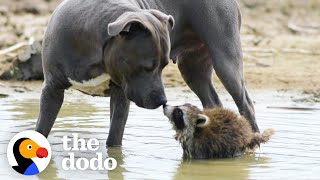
[{"x": 148, "y": 69}]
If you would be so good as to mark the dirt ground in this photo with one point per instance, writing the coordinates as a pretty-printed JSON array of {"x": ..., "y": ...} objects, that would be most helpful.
[{"x": 281, "y": 41}]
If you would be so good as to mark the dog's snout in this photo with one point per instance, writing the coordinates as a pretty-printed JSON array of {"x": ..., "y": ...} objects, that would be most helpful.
[
  {"x": 163, "y": 100},
  {"x": 158, "y": 98}
]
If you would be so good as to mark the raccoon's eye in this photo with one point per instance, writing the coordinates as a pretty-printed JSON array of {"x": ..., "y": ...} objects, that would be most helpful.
[{"x": 177, "y": 115}]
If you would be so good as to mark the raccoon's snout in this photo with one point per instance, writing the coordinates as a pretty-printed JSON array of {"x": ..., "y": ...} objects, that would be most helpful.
[
  {"x": 167, "y": 110},
  {"x": 175, "y": 115}
]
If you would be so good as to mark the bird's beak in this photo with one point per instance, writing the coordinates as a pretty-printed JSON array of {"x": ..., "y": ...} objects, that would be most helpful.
[{"x": 42, "y": 153}]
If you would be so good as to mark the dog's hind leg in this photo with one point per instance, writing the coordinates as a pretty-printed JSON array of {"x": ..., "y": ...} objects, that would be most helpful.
[
  {"x": 119, "y": 110},
  {"x": 196, "y": 69},
  {"x": 219, "y": 30},
  {"x": 50, "y": 104}
]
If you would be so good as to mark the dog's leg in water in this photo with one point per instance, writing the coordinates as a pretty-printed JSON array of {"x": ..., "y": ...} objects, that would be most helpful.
[
  {"x": 196, "y": 69},
  {"x": 119, "y": 110},
  {"x": 220, "y": 32},
  {"x": 50, "y": 104},
  {"x": 229, "y": 71}
]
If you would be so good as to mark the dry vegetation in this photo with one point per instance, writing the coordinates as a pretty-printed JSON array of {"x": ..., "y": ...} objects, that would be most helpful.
[
  {"x": 281, "y": 40},
  {"x": 281, "y": 44}
]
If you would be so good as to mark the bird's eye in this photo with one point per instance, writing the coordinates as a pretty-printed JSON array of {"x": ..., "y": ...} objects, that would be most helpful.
[{"x": 29, "y": 147}]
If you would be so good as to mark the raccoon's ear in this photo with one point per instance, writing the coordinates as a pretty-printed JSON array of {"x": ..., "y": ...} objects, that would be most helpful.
[{"x": 202, "y": 120}]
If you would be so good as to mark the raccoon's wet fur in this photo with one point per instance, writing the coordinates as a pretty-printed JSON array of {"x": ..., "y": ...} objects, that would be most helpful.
[{"x": 212, "y": 133}]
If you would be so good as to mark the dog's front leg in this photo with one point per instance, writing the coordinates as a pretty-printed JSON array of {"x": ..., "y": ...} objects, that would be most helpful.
[
  {"x": 50, "y": 104},
  {"x": 119, "y": 110}
]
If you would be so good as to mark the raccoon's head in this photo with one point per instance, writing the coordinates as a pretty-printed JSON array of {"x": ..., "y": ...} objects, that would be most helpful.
[{"x": 185, "y": 119}]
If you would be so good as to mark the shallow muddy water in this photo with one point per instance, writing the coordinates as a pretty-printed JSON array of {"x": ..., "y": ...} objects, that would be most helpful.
[{"x": 149, "y": 150}]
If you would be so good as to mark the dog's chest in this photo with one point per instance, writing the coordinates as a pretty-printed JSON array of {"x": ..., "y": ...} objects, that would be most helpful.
[{"x": 96, "y": 86}]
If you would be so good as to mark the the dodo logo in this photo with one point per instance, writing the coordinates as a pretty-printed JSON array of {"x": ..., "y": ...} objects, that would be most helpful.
[{"x": 29, "y": 152}]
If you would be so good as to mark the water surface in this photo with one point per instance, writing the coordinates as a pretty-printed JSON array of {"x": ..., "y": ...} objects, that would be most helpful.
[{"x": 149, "y": 150}]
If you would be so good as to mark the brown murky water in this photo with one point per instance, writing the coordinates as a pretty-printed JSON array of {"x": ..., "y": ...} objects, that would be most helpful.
[{"x": 149, "y": 150}]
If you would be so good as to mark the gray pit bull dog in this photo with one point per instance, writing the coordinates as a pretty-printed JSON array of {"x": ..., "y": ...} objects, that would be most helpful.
[{"x": 119, "y": 49}]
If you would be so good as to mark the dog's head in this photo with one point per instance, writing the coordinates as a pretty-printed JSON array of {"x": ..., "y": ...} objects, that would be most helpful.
[{"x": 137, "y": 52}]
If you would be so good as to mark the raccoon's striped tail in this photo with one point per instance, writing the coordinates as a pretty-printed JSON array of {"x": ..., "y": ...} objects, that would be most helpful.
[
  {"x": 260, "y": 138},
  {"x": 264, "y": 137}
]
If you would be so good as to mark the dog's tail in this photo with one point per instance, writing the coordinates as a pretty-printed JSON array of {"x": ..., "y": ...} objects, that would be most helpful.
[{"x": 260, "y": 138}]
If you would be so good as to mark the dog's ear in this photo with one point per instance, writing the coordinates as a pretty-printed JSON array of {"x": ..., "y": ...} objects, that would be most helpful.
[
  {"x": 163, "y": 17},
  {"x": 202, "y": 120},
  {"x": 123, "y": 23}
]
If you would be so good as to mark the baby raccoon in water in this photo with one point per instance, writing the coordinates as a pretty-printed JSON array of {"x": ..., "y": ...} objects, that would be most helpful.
[{"x": 212, "y": 133}]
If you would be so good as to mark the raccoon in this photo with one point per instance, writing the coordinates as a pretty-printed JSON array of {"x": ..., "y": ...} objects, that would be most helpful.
[{"x": 212, "y": 133}]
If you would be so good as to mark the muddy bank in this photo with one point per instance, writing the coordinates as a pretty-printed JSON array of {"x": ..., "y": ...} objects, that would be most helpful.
[{"x": 280, "y": 40}]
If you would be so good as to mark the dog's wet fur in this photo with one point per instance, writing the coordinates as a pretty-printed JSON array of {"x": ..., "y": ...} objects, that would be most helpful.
[{"x": 213, "y": 133}]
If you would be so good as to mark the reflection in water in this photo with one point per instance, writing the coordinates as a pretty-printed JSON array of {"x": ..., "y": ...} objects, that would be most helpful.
[
  {"x": 51, "y": 172},
  {"x": 149, "y": 150},
  {"x": 116, "y": 153},
  {"x": 237, "y": 168}
]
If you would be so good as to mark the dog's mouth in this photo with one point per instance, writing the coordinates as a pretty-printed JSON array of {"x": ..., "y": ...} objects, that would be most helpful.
[
  {"x": 138, "y": 102},
  {"x": 148, "y": 104}
]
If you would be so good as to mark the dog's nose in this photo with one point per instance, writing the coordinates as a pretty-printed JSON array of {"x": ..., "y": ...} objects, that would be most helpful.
[
  {"x": 162, "y": 101},
  {"x": 158, "y": 99}
]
